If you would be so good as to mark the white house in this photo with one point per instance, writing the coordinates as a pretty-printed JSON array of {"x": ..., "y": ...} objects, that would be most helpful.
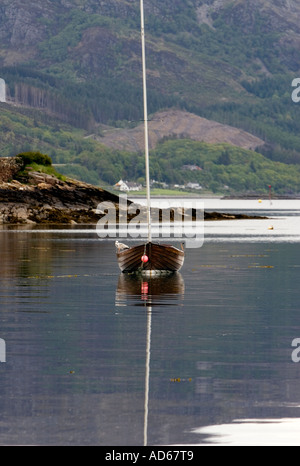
[
  {"x": 193, "y": 186},
  {"x": 127, "y": 186}
]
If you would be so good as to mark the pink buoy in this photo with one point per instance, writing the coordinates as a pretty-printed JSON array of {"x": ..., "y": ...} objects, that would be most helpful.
[
  {"x": 144, "y": 258},
  {"x": 144, "y": 288}
]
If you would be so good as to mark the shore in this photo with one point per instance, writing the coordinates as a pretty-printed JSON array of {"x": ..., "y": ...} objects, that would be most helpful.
[{"x": 47, "y": 200}]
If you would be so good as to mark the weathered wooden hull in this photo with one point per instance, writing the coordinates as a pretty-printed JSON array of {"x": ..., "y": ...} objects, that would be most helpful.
[{"x": 162, "y": 259}]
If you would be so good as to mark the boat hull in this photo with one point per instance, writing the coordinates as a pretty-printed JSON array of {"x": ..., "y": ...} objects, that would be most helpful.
[{"x": 162, "y": 258}]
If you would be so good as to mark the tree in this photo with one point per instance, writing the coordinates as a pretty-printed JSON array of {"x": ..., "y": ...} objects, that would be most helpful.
[{"x": 224, "y": 158}]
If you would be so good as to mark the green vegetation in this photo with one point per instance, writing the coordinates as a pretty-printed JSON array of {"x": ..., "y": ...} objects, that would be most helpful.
[
  {"x": 36, "y": 158},
  {"x": 37, "y": 162},
  {"x": 164, "y": 192},
  {"x": 89, "y": 67},
  {"x": 224, "y": 168},
  {"x": 86, "y": 71}
]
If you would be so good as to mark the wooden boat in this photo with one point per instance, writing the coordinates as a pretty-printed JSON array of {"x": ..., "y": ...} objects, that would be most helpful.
[{"x": 149, "y": 257}]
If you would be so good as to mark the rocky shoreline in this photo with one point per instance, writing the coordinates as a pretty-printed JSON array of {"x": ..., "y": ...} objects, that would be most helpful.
[
  {"x": 48, "y": 200},
  {"x": 224, "y": 216}
]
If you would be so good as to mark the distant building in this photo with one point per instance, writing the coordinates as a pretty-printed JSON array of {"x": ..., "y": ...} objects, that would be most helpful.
[
  {"x": 127, "y": 186},
  {"x": 121, "y": 186},
  {"x": 2, "y": 90},
  {"x": 193, "y": 186},
  {"x": 191, "y": 167},
  {"x": 133, "y": 186}
]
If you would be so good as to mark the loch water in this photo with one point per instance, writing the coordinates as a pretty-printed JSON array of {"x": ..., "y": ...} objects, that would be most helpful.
[{"x": 93, "y": 357}]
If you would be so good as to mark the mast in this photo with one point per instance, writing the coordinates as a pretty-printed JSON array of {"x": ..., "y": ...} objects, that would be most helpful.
[{"x": 146, "y": 121}]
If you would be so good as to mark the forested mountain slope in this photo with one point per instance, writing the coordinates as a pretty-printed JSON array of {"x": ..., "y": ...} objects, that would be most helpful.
[{"x": 232, "y": 61}]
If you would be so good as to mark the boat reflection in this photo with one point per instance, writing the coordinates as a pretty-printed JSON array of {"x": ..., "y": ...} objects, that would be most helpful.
[
  {"x": 143, "y": 291},
  {"x": 139, "y": 290}
]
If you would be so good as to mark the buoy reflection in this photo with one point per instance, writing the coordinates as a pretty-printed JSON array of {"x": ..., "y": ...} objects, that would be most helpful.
[{"x": 138, "y": 290}]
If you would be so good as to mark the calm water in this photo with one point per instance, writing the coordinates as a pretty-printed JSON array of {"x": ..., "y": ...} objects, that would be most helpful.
[{"x": 93, "y": 358}]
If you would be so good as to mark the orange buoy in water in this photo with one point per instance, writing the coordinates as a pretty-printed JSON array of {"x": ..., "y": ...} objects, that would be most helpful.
[{"x": 144, "y": 258}]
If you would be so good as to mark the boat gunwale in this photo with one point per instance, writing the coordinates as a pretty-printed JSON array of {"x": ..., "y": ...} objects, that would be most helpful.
[{"x": 157, "y": 263}]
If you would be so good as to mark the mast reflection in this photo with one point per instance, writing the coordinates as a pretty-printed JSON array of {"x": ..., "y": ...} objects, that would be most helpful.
[{"x": 143, "y": 291}]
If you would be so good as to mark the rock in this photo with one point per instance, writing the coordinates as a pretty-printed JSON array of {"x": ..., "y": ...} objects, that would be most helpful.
[
  {"x": 44, "y": 186},
  {"x": 225, "y": 216},
  {"x": 51, "y": 201},
  {"x": 9, "y": 167}
]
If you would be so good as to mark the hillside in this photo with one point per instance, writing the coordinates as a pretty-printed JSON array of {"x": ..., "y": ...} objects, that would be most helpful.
[
  {"x": 179, "y": 124},
  {"x": 79, "y": 62},
  {"x": 224, "y": 168}
]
